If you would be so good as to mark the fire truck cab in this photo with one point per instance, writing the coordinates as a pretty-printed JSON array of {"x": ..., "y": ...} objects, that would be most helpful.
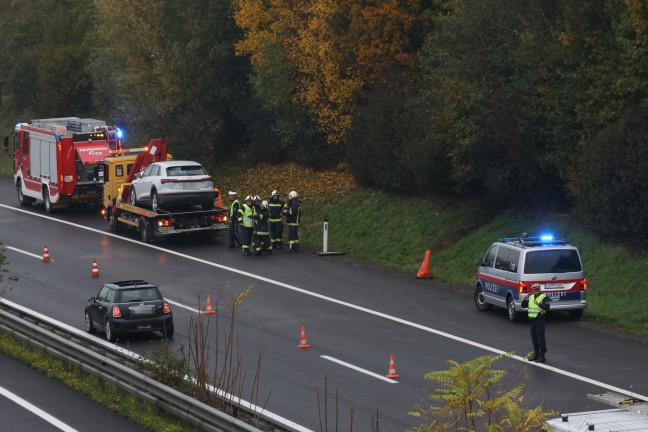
[{"x": 56, "y": 160}]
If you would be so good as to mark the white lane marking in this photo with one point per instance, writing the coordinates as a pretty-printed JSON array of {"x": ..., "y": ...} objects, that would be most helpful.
[
  {"x": 25, "y": 252},
  {"x": 180, "y": 305},
  {"x": 364, "y": 371},
  {"x": 276, "y": 418},
  {"x": 35, "y": 410},
  {"x": 348, "y": 305}
]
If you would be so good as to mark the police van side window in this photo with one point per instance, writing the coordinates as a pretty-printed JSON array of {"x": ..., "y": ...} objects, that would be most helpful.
[
  {"x": 507, "y": 259},
  {"x": 489, "y": 260}
]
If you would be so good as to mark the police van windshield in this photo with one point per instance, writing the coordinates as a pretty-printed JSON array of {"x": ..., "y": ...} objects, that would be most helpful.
[{"x": 552, "y": 261}]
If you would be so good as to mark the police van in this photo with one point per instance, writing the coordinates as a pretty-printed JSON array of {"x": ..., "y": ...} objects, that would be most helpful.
[{"x": 512, "y": 265}]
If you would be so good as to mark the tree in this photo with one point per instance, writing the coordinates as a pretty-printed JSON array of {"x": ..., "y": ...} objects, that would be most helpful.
[
  {"x": 479, "y": 93},
  {"x": 335, "y": 48},
  {"x": 171, "y": 71},
  {"x": 471, "y": 399},
  {"x": 45, "y": 57}
]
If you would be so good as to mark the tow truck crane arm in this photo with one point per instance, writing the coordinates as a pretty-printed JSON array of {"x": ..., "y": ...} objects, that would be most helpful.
[{"x": 156, "y": 152}]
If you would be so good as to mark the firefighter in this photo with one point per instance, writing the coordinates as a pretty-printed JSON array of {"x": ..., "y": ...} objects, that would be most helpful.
[
  {"x": 257, "y": 202},
  {"x": 261, "y": 233},
  {"x": 247, "y": 214},
  {"x": 293, "y": 218},
  {"x": 235, "y": 205},
  {"x": 275, "y": 207}
]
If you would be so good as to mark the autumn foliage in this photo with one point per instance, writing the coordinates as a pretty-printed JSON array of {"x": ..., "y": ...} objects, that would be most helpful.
[{"x": 336, "y": 48}]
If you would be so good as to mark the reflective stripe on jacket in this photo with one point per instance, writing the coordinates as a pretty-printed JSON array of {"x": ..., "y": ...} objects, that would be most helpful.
[
  {"x": 535, "y": 309},
  {"x": 293, "y": 217},
  {"x": 233, "y": 209},
  {"x": 244, "y": 215}
]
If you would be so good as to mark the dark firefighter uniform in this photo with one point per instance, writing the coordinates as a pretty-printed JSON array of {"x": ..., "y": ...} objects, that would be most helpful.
[
  {"x": 261, "y": 233},
  {"x": 275, "y": 207},
  {"x": 293, "y": 219}
]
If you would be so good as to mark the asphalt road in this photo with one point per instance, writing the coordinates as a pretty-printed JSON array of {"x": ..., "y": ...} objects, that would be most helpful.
[
  {"x": 355, "y": 318},
  {"x": 29, "y": 401}
]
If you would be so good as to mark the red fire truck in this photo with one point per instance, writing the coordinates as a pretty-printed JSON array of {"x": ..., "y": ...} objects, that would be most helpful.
[{"x": 56, "y": 160}]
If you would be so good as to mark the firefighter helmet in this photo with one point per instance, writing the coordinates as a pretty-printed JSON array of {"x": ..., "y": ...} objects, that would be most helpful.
[
  {"x": 274, "y": 192},
  {"x": 264, "y": 204},
  {"x": 257, "y": 198},
  {"x": 292, "y": 195},
  {"x": 249, "y": 198}
]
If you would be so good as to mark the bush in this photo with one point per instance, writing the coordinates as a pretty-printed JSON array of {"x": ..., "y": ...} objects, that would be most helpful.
[{"x": 610, "y": 190}]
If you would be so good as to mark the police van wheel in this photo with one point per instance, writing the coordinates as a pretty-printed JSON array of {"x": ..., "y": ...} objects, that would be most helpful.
[
  {"x": 480, "y": 301},
  {"x": 513, "y": 315},
  {"x": 576, "y": 314}
]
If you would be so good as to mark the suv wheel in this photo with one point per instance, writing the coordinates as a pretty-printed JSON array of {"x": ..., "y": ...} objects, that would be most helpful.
[
  {"x": 155, "y": 203},
  {"x": 480, "y": 301},
  {"x": 513, "y": 315}
]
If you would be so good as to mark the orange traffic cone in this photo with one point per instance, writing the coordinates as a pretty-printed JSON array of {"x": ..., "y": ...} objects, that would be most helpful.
[
  {"x": 46, "y": 257},
  {"x": 424, "y": 271},
  {"x": 392, "y": 368},
  {"x": 95, "y": 269},
  {"x": 302, "y": 339},
  {"x": 208, "y": 307}
]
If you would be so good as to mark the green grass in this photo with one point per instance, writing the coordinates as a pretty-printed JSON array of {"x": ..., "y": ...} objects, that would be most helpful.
[
  {"x": 6, "y": 164},
  {"x": 394, "y": 232}
]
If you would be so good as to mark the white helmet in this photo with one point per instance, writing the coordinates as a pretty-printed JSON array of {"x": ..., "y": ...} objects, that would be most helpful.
[
  {"x": 257, "y": 198},
  {"x": 264, "y": 204},
  {"x": 292, "y": 195},
  {"x": 249, "y": 198},
  {"x": 274, "y": 192}
]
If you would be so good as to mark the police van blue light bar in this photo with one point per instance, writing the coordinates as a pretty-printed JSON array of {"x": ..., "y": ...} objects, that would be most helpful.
[{"x": 546, "y": 237}]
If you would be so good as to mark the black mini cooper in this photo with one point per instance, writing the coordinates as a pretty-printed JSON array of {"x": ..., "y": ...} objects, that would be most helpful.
[{"x": 128, "y": 307}]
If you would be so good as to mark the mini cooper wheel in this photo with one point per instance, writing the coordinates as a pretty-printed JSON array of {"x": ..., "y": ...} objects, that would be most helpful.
[
  {"x": 111, "y": 335},
  {"x": 88, "y": 323}
]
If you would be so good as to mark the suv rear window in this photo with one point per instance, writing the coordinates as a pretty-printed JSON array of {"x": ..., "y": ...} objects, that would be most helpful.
[{"x": 552, "y": 261}]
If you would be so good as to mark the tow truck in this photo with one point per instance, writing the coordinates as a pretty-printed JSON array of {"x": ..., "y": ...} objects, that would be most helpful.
[{"x": 119, "y": 170}]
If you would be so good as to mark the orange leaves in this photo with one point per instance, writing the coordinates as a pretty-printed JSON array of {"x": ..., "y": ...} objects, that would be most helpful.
[
  {"x": 336, "y": 48},
  {"x": 312, "y": 186}
]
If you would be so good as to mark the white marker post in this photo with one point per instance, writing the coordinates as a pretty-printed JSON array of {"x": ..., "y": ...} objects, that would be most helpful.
[{"x": 325, "y": 251}]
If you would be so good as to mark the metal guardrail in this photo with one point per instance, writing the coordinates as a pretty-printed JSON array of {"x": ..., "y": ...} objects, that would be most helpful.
[{"x": 111, "y": 364}]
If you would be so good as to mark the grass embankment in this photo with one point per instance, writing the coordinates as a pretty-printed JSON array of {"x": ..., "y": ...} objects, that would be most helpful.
[{"x": 394, "y": 231}]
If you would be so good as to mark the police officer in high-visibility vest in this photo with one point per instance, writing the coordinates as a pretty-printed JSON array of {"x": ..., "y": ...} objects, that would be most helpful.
[
  {"x": 247, "y": 214},
  {"x": 538, "y": 306},
  {"x": 233, "y": 215},
  {"x": 293, "y": 219},
  {"x": 275, "y": 207}
]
